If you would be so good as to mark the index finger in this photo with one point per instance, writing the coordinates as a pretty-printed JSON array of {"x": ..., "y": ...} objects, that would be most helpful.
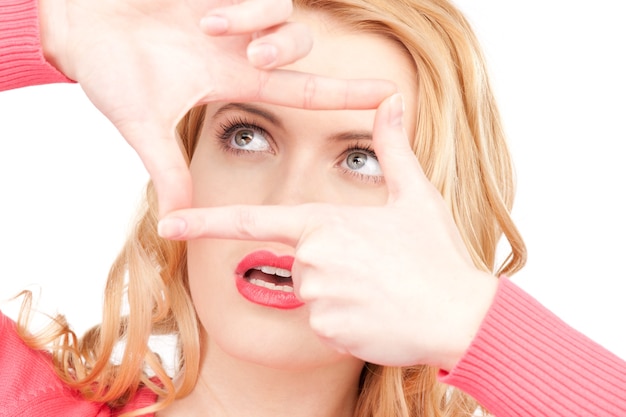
[
  {"x": 284, "y": 224},
  {"x": 246, "y": 17},
  {"x": 306, "y": 91}
]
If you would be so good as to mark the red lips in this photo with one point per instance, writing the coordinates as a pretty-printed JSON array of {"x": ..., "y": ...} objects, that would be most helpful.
[{"x": 266, "y": 289}]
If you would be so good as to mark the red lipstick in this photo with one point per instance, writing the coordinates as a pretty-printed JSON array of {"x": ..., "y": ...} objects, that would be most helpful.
[{"x": 265, "y": 279}]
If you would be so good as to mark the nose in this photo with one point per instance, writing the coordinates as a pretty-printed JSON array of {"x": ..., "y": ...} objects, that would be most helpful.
[
  {"x": 300, "y": 180},
  {"x": 311, "y": 176}
]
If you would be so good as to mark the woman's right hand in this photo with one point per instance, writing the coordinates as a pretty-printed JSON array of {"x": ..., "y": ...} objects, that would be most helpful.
[{"x": 145, "y": 63}]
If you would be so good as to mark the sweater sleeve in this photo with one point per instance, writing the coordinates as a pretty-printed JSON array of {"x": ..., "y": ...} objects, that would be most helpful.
[
  {"x": 525, "y": 361},
  {"x": 30, "y": 386},
  {"x": 21, "y": 58}
]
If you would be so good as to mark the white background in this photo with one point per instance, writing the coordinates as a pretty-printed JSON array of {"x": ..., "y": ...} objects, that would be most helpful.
[{"x": 69, "y": 184}]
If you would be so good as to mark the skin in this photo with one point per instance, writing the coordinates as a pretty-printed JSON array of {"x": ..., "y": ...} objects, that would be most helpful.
[
  {"x": 272, "y": 355},
  {"x": 98, "y": 43},
  {"x": 405, "y": 272},
  {"x": 127, "y": 57}
]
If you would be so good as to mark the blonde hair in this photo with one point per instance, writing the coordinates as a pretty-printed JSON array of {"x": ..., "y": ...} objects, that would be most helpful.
[{"x": 461, "y": 146}]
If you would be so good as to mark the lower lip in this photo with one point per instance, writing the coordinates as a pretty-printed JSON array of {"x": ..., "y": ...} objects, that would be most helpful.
[
  {"x": 261, "y": 295},
  {"x": 265, "y": 296}
]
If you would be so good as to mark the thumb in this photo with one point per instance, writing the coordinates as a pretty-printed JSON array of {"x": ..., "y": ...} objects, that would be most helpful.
[
  {"x": 172, "y": 182},
  {"x": 162, "y": 157},
  {"x": 391, "y": 144}
]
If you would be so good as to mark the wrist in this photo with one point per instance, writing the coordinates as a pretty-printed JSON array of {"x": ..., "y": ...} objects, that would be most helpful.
[
  {"x": 53, "y": 33},
  {"x": 472, "y": 310}
]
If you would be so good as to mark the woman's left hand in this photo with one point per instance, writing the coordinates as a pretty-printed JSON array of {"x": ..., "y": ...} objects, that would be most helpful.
[{"x": 392, "y": 285}]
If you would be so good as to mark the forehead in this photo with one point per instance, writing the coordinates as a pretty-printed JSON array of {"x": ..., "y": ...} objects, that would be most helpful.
[{"x": 341, "y": 52}]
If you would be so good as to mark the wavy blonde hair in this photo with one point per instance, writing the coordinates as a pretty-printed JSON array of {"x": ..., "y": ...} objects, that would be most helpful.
[{"x": 461, "y": 146}]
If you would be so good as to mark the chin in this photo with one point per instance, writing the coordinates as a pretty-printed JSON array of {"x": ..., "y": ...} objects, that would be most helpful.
[{"x": 288, "y": 344}]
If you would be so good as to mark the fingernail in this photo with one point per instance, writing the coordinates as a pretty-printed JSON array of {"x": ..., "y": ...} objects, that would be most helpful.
[
  {"x": 172, "y": 227},
  {"x": 396, "y": 111},
  {"x": 214, "y": 25},
  {"x": 262, "y": 55}
]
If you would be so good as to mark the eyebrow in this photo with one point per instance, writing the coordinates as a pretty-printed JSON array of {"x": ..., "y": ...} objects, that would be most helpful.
[
  {"x": 249, "y": 108},
  {"x": 351, "y": 135}
]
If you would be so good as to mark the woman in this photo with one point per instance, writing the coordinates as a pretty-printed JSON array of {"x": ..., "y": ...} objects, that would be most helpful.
[{"x": 236, "y": 151}]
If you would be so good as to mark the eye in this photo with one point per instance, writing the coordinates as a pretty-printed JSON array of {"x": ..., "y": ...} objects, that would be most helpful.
[
  {"x": 240, "y": 135},
  {"x": 248, "y": 139},
  {"x": 362, "y": 162}
]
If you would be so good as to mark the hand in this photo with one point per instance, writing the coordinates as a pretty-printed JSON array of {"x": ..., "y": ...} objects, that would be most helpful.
[
  {"x": 145, "y": 63},
  {"x": 392, "y": 285}
]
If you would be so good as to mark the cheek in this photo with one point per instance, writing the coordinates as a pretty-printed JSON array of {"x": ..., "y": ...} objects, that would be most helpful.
[
  {"x": 360, "y": 195},
  {"x": 295, "y": 177},
  {"x": 202, "y": 256},
  {"x": 217, "y": 182}
]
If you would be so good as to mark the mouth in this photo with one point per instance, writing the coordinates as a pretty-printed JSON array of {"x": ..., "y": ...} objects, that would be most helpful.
[
  {"x": 265, "y": 279},
  {"x": 270, "y": 277}
]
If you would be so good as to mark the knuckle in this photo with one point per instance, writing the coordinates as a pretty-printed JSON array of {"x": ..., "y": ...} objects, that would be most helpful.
[
  {"x": 262, "y": 83},
  {"x": 346, "y": 94},
  {"x": 244, "y": 222},
  {"x": 309, "y": 291},
  {"x": 306, "y": 255},
  {"x": 320, "y": 213},
  {"x": 310, "y": 91},
  {"x": 319, "y": 326}
]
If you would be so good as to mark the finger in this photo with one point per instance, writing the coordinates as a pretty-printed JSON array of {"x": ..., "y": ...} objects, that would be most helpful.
[
  {"x": 397, "y": 160},
  {"x": 308, "y": 91},
  {"x": 284, "y": 224},
  {"x": 280, "y": 45},
  {"x": 173, "y": 185},
  {"x": 168, "y": 169},
  {"x": 246, "y": 17}
]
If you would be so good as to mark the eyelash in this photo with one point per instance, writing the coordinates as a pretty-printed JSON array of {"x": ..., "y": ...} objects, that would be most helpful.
[
  {"x": 228, "y": 128},
  {"x": 369, "y": 150}
]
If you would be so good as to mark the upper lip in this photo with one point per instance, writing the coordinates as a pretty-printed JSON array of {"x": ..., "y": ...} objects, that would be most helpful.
[{"x": 261, "y": 258}]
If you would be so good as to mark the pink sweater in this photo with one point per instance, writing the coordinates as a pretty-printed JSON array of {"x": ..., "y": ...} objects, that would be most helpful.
[
  {"x": 31, "y": 388},
  {"x": 524, "y": 361},
  {"x": 21, "y": 59}
]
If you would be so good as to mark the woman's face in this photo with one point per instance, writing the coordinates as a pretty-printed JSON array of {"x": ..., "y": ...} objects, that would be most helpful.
[{"x": 254, "y": 153}]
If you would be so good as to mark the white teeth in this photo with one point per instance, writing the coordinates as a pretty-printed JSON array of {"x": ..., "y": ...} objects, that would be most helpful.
[
  {"x": 270, "y": 270},
  {"x": 285, "y": 273},
  {"x": 269, "y": 285}
]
